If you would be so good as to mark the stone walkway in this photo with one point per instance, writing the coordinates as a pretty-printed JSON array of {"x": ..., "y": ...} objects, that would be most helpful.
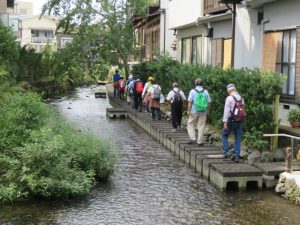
[{"x": 206, "y": 160}]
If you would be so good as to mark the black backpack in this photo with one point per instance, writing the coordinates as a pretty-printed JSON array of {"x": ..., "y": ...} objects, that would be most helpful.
[{"x": 177, "y": 99}]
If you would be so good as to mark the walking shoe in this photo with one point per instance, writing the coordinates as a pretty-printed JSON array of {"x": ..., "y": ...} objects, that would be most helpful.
[
  {"x": 174, "y": 130},
  {"x": 226, "y": 156},
  {"x": 191, "y": 142},
  {"x": 235, "y": 159}
]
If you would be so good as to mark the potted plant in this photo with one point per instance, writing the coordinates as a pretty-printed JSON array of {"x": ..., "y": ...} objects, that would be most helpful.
[{"x": 294, "y": 117}]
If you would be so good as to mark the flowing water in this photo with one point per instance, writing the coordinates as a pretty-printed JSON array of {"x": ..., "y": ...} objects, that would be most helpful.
[{"x": 150, "y": 185}]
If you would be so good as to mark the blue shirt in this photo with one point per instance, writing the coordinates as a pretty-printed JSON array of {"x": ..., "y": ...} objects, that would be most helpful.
[
  {"x": 116, "y": 77},
  {"x": 193, "y": 94}
]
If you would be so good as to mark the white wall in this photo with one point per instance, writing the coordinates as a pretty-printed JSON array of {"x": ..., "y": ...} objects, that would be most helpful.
[
  {"x": 36, "y": 23},
  {"x": 248, "y": 39},
  {"x": 222, "y": 29},
  {"x": 166, "y": 35},
  {"x": 282, "y": 14},
  {"x": 184, "y": 12}
]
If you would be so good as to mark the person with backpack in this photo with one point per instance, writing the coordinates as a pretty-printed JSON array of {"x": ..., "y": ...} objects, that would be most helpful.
[
  {"x": 116, "y": 78},
  {"x": 137, "y": 94},
  {"x": 144, "y": 94},
  {"x": 121, "y": 88},
  {"x": 175, "y": 98},
  {"x": 198, "y": 102},
  {"x": 154, "y": 96},
  {"x": 127, "y": 89},
  {"x": 234, "y": 115}
]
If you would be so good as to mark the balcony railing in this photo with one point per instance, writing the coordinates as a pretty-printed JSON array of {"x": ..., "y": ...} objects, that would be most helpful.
[
  {"x": 213, "y": 6},
  {"x": 36, "y": 40}
]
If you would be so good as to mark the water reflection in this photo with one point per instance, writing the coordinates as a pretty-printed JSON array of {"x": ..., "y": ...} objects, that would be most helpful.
[{"x": 151, "y": 186}]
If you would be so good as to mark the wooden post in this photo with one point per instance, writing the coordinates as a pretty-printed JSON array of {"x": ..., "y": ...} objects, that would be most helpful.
[
  {"x": 274, "y": 140},
  {"x": 288, "y": 160}
]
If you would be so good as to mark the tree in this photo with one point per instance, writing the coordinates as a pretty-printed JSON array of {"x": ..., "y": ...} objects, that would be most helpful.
[
  {"x": 8, "y": 51},
  {"x": 109, "y": 22}
]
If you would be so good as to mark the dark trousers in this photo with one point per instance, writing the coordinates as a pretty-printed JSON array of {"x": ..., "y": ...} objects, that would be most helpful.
[
  {"x": 176, "y": 113},
  {"x": 155, "y": 111},
  {"x": 121, "y": 94},
  {"x": 138, "y": 103},
  {"x": 115, "y": 91}
]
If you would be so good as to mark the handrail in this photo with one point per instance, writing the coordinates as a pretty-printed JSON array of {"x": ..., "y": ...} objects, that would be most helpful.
[{"x": 289, "y": 158}]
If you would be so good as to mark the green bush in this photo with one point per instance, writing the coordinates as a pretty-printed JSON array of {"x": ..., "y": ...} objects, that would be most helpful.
[
  {"x": 257, "y": 88},
  {"x": 42, "y": 156},
  {"x": 294, "y": 115}
]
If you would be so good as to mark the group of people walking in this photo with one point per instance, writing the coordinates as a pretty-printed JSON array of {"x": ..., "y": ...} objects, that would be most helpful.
[{"x": 198, "y": 107}]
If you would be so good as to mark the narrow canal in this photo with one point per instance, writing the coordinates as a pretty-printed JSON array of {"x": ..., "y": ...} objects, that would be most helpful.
[{"x": 150, "y": 186}]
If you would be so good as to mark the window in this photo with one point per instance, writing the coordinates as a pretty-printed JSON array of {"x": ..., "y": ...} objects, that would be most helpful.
[
  {"x": 10, "y": 4},
  {"x": 192, "y": 50},
  {"x": 186, "y": 50},
  {"x": 197, "y": 50},
  {"x": 286, "y": 60}
]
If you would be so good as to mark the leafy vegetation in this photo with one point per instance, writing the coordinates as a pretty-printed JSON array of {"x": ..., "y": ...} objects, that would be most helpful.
[
  {"x": 111, "y": 29},
  {"x": 42, "y": 156},
  {"x": 294, "y": 115}
]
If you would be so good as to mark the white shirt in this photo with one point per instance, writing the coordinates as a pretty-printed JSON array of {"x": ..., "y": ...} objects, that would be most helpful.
[{"x": 171, "y": 95}]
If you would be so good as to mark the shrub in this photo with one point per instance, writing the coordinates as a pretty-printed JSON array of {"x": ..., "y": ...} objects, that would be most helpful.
[
  {"x": 294, "y": 115},
  {"x": 42, "y": 156}
]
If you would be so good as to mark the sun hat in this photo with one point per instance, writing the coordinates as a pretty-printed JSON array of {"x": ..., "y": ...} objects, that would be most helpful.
[{"x": 230, "y": 86}]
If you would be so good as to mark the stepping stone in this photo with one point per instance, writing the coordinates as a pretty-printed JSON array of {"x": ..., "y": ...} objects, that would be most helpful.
[
  {"x": 207, "y": 162},
  {"x": 200, "y": 158},
  {"x": 116, "y": 112},
  {"x": 239, "y": 175},
  {"x": 271, "y": 171}
]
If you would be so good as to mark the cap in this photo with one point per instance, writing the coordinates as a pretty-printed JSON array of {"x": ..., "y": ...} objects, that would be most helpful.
[
  {"x": 151, "y": 78},
  {"x": 130, "y": 76},
  {"x": 230, "y": 86}
]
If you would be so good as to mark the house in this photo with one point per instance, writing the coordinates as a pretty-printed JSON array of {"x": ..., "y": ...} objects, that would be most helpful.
[
  {"x": 217, "y": 18},
  {"x": 34, "y": 31},
  {"x": 192, "y": 41},
  {"x": 6, "y": 7},
  {"x": 153, "y": 34},
  {"x": 147, "y": 34},
  {"x": 268, "y": 37}
]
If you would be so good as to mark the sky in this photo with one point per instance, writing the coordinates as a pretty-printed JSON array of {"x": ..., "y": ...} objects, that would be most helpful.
[{"x": 37, "y": 5}]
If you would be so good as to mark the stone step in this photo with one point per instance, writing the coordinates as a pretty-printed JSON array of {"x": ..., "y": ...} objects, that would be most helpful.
[
  {"x": 239, "y": 175},
  {"x": 100, "y": 94},
  {"x": 116, "y": 112},
  {"x": 200, "y": 158},
  {"x": 207, "y": 162},
  {"x": 271, "y": 171}
]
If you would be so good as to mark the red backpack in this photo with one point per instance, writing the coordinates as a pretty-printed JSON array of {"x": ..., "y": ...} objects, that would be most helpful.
[
  {"x": 239, "y": 113},
  {"x": 138, "y": 87}
]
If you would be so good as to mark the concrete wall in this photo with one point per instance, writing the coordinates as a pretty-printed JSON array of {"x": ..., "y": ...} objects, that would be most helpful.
[
  {"x": 282, "y": 14},
  {"x": 248, "y": 39},
  {"x": 222, "y": 29},
  {"x": 166, "y": 35},
  {"x": 3, "y": 6},
  {"x": 24, "y": 8},
  {"x": 184, "y": 12},
  {"x": 36, "y": 23}
]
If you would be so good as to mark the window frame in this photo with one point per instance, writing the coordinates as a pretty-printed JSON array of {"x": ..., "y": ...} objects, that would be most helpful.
[{"x": 287, "y": 64}]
